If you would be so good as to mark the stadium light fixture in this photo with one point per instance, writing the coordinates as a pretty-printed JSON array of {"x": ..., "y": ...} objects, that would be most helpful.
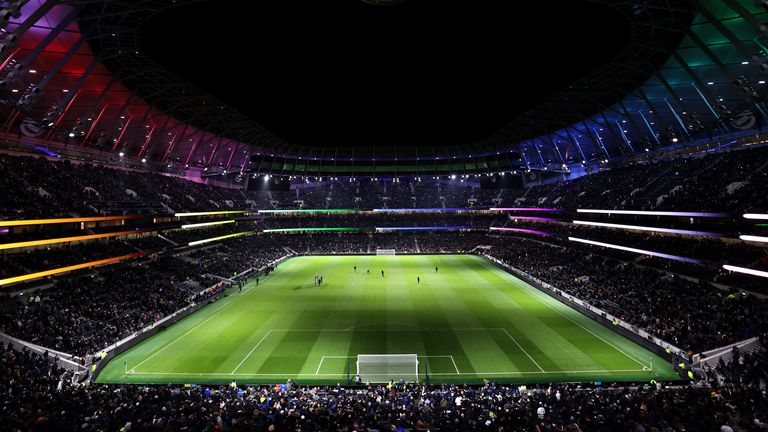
[
  {"x": 652, "y": 213},
  {"x": 647, "y": 228},
  {"x": 754, "y": 238},
  {"x": 748, "y": 271},
  {"x": 635, "y": 250},
  {"x": 756, "y": 216},
  {"x": 60, "y": 270},
  {"x": 521, "y": 230}
]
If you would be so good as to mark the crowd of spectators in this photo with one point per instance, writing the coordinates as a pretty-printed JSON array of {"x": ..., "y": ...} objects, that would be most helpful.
[
  {"x": 44, "y": 187},
  {"x": 37, "y": 395},
  {"x": 714, "y": 181},
  {"x": 82, "y": 315}
]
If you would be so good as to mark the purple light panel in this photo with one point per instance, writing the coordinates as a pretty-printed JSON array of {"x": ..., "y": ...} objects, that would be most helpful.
[
  {"x": 434, "y": 209},
  {"x": 521, "y": 230},
  {"x": 647, "y": 228},
  {"x": 652, "y": 213},
  {"x": 440, "y": 228},
  {"x": 540, "y": 209},
  {"x": 533, "y": 218},
  {"x": 640, "y": 251}
]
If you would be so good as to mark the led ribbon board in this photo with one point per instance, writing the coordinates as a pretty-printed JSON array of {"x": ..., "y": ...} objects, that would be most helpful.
[
  {"x": 433, "y": 209},
  {"x": 67, "y": 269},
  {"x": 652, "y": 213},
  {"x": 287, "y": 230},
  {"x": 647, "y": 228},
  {"x": 752, "y": 272},
  {"x": 26, "y": 222},
  {"x": 640, "y": 251},
  {"x": 213, "y": 213},
  {"x": 521, "y": 230},
  {"x": 204, "y": 224},
  {"x": 533, "y": 218},
  {"x": 440, "y": 228},
  {"x": 534, "y": 209},
  {"x": 213, "y": 239},
  {"x": 66, "y": 239},
  {"x": 756, "y": 216},
  {"x": 308, "y": 211},
  {"x": 754, "y": 238}
]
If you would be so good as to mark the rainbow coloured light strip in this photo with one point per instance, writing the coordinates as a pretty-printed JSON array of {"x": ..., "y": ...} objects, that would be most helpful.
[
  {"x": 533, "y": 218},
  {"x": 652, "y": 213},
  {"x": 204, "y": 224},
  {"x": 287, "y": 230},
  {"x": 25, "y": 222},
  {"x": 60, "y": 270},
  {"x": 521, "y": 230},
  {"x": 754, "y": 238},
  {"x": 213, "y": 239},
  {"x": 213, "y": 213},
  {"x": 308, "y": 211},
  {"x": 66, "y": 239},
  {"x": 534, "y": 209},
  {"x": 752, "y": 272},
  {"x": 756, "y": 216},
  {"x": 434, "y": 228},
  {"x": 647, "y": 228},
  {"x": 635, "y": 250}
]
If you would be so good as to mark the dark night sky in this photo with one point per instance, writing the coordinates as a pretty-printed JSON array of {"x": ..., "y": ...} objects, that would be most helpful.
[{"x": 346, "y": 73}]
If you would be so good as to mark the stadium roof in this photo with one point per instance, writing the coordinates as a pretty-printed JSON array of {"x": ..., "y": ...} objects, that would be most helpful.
[{"x": 97, "y": 89}]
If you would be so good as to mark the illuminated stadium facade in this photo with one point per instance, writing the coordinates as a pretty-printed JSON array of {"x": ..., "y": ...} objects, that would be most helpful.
[
  {"x": 167, "y": 261},
  {"x": 692, "y": 74}
]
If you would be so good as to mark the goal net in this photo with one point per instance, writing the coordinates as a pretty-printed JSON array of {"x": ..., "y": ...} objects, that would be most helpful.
[
  {"x": 385, "y": 252},
  {"x": 380, "y": 368}
]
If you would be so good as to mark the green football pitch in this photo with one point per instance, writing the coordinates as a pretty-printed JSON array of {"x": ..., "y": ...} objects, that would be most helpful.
[{"x": 467, "y": 322}]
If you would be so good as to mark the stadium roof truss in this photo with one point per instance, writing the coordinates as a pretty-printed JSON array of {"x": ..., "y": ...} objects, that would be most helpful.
[{"x": 72, "y": 74}]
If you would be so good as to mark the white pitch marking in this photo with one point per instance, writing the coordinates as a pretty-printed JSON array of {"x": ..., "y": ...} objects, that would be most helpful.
[
  {"x": 454, "y": 365},
  {"x": 250, "y": 352},
  {"x": 523, "y": 350},
  {"x": 202, "y": 322},
  {"x": 526, "y": 290}
]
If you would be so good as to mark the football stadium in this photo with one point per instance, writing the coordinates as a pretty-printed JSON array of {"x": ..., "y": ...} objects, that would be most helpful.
[{"x": 370, "y": 215}]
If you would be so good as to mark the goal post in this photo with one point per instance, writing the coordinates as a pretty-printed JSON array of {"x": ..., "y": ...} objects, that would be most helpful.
[
  {"x": 385, "y": 252},
  {"x": 380, "y": 368}
]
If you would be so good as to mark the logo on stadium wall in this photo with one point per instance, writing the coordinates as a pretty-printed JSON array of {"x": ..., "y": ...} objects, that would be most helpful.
[
  {"x": 744, "y": 120},
  {"x": 31, "y": 128}
]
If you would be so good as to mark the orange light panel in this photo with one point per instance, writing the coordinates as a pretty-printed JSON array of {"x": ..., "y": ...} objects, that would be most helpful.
[
  {"x": 24, "y": 222},
  {"x": 66, "y": 239},
  {"x": 67, "y": 269}
]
